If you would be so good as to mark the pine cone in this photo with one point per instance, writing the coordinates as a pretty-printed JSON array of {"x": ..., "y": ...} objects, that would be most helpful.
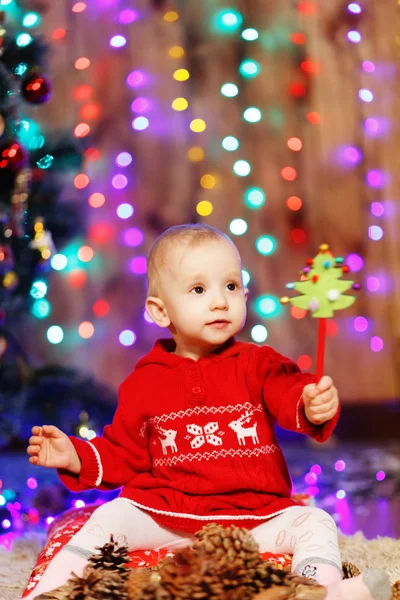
[
  {"x": 111, "y": 557},
  {"x": 98, "y": 584},
  {"x": 238, "y": 561},
  {"x": 191, "y": 574},
  {"x": 138, "y": 579},
  {"x": 396, "y": 590},
  {"x": 349, "y": 570}
]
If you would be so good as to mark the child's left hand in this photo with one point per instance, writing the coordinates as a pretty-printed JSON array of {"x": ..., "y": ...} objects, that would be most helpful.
[{"x": 321, "y": 401}]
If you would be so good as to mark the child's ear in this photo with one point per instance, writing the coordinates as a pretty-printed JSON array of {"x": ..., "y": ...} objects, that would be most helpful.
[
  {"x": 246, "y": 293},
  {"x": 156, "y": 310}
]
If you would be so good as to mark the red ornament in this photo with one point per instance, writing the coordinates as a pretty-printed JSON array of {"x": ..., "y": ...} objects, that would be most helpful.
[
  {"x": 315, "y": 278},
  {"x": 310, "y": 262},
  {"x": 345, "y": 269},
  {"x": 36, "y": 88},
  {"x": 13, "y": 156}
]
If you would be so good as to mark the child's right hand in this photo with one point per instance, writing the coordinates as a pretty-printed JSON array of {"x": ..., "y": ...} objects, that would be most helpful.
[{"x": 51, "y": 447}]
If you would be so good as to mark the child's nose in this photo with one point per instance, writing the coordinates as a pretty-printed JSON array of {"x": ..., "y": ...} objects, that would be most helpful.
[{"x": 219, "y": 302}]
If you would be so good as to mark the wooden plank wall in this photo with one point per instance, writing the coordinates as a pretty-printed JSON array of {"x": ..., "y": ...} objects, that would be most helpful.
[{"x": 336, "y": 200}]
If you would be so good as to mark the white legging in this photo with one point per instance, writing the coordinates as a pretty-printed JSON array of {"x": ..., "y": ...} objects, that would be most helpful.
[{"x": 308, "y": 533}]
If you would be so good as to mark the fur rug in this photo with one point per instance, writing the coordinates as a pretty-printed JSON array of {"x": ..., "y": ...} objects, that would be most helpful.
[{"x": 16, "y": 565}]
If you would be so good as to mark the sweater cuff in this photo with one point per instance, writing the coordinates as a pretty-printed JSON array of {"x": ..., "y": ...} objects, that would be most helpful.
[
  {"x": 91, "y": 474},
  {"x": 320, "y": 433}
]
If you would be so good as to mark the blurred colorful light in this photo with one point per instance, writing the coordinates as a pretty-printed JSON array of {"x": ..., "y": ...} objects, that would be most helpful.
[
  {"x": 123, "y": 159},
  {"x": 141, "y": 105},
  {"x": 242, "y": 168},
  {"x": 127, "y": 16},
  {"x": 238, "y": 226},
  {"x": 249, "y": 68},
  {"x": 132, "y": 237},
  {"x": 265, "y": 245},
  {"x": 127, "y": 337},
  {"x": 229, "y": 90},
  {"x": 373, "y": 284},
  {"x": 125, "y": 210},
  {"x": 136, "y": 79},
  {"x": 138, "y": 265},
  {"x": 254, "y": 197},
  {"x": 118, "y": 41},
  {"x": 59, "y": 262},
  {"x": 377, "y": 209},
  {"x": 259, "y": 333},
  {"x": 354, "y": 37},
  {"x": 376, "y": 344},
  {"x": 355, "y": 262},
  {"x": 252, "y": 114},
  {"x": 375, "y": 232},
  {"x": 360, "y": 324},
  {"x": 119, "y": 182},
  {"x": 365, "y": 95},
  {"x": 55, "y": 334},
  {"x": 250, "y": 34},
  {"x": 230, "y": 143}
]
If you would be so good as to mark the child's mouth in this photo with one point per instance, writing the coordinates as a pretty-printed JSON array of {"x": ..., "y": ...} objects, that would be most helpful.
[{"x": 219, "y": 324}]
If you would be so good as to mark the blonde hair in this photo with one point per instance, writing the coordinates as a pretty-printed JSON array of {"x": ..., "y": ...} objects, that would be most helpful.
[{"x": 189, "y": 234}]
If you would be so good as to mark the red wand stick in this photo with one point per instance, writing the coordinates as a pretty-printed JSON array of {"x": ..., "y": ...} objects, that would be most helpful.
[{"x": 321, "y": 348}]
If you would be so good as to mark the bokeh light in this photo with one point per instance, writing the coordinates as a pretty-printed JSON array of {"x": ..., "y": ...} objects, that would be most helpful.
[
  {"x": 249, "y": 68},
  {"x": 127, "y": 337},
  {"x": 254, "y": 197},
  {"x": 294, "y": 203},
  {"x": 55, "y": 334},
  {"x": 207, "y": 181},
  {"x": 204, "y": 208},
  {"x": 96, "y": 200},
  {"x": 373, "y": 284},
  {"x": 140, "y": 123},
  {"x": 355, "y": 262},
  {"x": 229, "y": 90},
  {"x": 118, "y": 41},
  {"x": 85, "y": 253},
  {"x": 241, "y": 168},
  {"x": 132, "y": 237},
  {"x": 238, "y": 226},
  {"x": 123, "y": 159},
  {"x": 136, "y": 79},
  {"x": 59, "y": 262},
  {"x": 267, "y": 306},
  {"x": 138, "y": 265},
  {"x": 230, "y": 143},
  {"x": 119, "y": 182},
  {"x": 259, "y": 333},
  {"x": 197, "y": 125},
  {"x": 180, "y": 104},
  {"x": 375, "y": 232},
  {"x": 250, "y": 34},
  {"x": 252, "y": 114},
  {"x": 181, "y": 75},
  {"x": 360, "y": 324},
  {"x": 86, "y": 330},
  {"x": 125, "y": 210},
  {"x": 265, "y": 245},
  {"x": 101, "y": 308},
  {"x": 376, "y": 343}
]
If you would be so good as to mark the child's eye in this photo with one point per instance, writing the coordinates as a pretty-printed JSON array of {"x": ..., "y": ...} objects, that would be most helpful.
[
  {"x": 198, "y": 289},
  {"x": 231, "y": 287}
]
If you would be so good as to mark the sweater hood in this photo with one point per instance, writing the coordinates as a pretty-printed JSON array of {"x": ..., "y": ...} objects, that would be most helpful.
[{"x": 163, "y": 354}]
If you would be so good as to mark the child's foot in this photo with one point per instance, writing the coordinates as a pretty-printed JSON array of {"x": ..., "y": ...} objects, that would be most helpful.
[{"x": 373, "y": 584}]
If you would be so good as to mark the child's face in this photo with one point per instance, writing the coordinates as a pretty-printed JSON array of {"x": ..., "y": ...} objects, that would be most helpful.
[{"x": 203, "y": 293}]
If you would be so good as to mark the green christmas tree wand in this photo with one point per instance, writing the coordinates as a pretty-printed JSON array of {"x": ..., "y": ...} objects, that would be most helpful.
[{"x": 322, "y": 292}]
